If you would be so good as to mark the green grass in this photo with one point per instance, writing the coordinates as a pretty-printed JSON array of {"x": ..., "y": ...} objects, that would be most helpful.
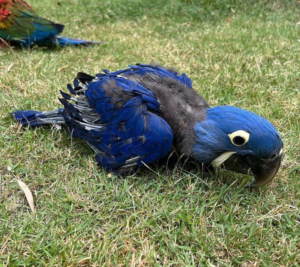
[{"x": 242, "y": 53}]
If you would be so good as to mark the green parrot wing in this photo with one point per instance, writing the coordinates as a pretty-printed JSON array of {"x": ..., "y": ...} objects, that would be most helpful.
[{"x": 18, "y": 21}]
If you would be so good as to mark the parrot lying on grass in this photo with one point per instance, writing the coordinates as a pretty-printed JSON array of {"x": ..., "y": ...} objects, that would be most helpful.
[
  {"x": 139, "y": 114},
  {"x": 21, "y": 26}
]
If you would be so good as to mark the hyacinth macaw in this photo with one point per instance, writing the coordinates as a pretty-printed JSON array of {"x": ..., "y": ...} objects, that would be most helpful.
[
  {"x": 139, "y": 114},
  {"x": 21, "y": 26}
]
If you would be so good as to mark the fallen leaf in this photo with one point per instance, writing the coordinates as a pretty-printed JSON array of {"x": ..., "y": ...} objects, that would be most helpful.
[
  {"x": 62, "y": 68},
  {"x": 28, "y": 194},
  {"x": 10, "y": 66}
]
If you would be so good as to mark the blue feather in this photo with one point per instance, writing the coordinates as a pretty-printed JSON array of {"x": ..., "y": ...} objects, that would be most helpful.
[
  {"x": 66, "y": 41},
  {"x": 154, "y": 71},
  {"x": 37, "y": 118}
]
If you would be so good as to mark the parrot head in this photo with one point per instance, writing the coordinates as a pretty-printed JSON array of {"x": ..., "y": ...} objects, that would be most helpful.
[{"x": 240, "y": 141}]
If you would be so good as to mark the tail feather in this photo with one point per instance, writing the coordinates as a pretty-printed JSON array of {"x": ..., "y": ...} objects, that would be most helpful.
[
  {"x": 65, "y": 41},
  {"x": 37, "y": 118}
]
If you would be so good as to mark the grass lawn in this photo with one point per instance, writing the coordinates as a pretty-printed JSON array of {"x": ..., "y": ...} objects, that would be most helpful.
[{"x": 237, "y": 52}]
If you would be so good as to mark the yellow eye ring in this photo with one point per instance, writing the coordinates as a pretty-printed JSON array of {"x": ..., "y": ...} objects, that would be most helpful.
[{"x": 239, "y": 138}]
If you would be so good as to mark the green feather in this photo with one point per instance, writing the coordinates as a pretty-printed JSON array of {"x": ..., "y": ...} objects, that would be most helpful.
[{"x": 21, "y": 23}]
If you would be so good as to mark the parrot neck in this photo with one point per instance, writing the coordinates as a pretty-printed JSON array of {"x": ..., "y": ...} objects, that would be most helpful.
[{"x": 181, "y": 108}]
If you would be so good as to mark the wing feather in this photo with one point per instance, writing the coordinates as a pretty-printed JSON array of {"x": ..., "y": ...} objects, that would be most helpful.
[{"x": 121, "y": 122}]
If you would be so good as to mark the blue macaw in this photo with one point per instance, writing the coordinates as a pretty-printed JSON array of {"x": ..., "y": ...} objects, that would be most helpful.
[
  {"x": 139, "y": 114},
  {"x": 20, "y": 25}
]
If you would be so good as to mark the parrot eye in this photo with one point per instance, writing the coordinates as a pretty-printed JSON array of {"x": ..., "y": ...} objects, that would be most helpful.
[{"x": 239, "y": 138}]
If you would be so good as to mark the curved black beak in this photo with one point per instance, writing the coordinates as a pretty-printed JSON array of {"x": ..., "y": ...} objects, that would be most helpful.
[{"x": 264, "y": 170}]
